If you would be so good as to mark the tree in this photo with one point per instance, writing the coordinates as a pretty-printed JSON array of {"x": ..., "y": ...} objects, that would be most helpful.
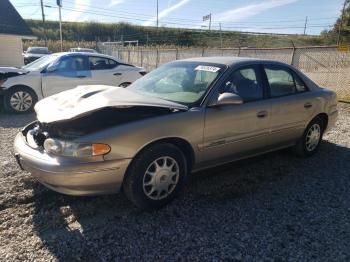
[{"x": 342, "y": 26}]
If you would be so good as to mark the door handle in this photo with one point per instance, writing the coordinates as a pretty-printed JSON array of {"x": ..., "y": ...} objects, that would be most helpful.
[
  {"x": 117, "y": 74},
  {"x": 307, "y": 105},
  {"x": 261, "y": 114}
]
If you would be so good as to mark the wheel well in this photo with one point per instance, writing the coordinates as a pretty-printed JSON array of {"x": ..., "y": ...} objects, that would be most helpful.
[
  {"x": 180, "y": 143},
  {"x": 324, "y": 119}
]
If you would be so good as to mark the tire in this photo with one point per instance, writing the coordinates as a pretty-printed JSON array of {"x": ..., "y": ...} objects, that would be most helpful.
[
  {"x": 144, "y": 177},
  {"x": 309, "y": 143},
  {"x": 25, "y": 97}
]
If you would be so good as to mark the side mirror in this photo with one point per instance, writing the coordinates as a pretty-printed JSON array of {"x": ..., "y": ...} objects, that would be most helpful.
[
  {"x": 51, "y": 68},
  {"x": 228, "y": 99}
]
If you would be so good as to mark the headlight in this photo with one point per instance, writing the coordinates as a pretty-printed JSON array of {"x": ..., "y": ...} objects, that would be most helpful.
[
  {"x": 2, "y": 81},
  {"x": 67, "y": 148}
]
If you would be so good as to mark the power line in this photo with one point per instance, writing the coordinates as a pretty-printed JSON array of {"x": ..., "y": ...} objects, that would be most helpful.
[
  {"x": 191, "y": 24},
  {"x": 91, "y": 7}
]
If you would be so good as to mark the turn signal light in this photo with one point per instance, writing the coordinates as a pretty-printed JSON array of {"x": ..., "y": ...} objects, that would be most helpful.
[{"x": 100, "y": 149}]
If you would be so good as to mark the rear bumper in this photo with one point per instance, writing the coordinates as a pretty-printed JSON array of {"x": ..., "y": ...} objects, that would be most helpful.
[{"x": 71, "y": 176}]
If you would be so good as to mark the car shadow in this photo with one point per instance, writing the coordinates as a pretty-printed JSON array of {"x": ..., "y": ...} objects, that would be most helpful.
[
  {"x": 229, "y": 196},
  {"x": 16, "y": 121}
]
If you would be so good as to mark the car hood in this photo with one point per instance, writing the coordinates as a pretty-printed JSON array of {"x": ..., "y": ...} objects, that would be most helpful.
[
  {"x": 12, "y": 70},
  {"x": 83, "y": 100}
]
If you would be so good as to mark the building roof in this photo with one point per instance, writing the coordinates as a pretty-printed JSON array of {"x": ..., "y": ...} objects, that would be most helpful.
[{"x": 11, "y": 23}]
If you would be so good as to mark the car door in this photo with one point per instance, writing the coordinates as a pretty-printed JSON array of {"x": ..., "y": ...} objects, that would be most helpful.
[
  {"x": 104, "y": 71},
  {"x": 291, "y": 104},
  {"x": 67, "y": 73},
  {"x": 233, "y": 131}
]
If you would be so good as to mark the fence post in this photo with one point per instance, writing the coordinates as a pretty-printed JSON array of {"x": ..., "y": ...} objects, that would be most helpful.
[
  {"x": 239, "y": 50},
  {"x": 128, "y": 55},
  {"x": 157, "y": 58},
  {"x": 293, "y": 54},
  {"x": 141, "y": 54},
  {"x": 177, "y": 54},
  {"x": 203, "y": 52}
]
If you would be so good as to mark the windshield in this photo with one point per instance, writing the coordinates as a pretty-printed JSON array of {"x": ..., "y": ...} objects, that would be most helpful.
[
  {"x": 181, "y": 82},
  {"x": 40, "y": 63}
]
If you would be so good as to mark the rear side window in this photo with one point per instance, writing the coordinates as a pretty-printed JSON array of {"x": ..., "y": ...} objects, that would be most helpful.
[
  {"x": 299, "y": 84},
  {"x": 280, "y": 80},
  {"x": 101, "y": 63},
  {"x": 245, "y": 83}
]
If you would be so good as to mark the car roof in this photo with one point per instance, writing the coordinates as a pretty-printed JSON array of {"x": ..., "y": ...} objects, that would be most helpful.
[
  {"x": 84, "y": 54},
  {"x": 230, "y": 60}
]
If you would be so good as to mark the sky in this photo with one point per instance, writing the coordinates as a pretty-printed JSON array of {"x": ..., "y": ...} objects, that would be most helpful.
[{"x": 267, "y": 16}]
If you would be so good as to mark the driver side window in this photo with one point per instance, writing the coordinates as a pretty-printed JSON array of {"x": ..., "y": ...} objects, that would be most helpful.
[{"x": 245, "y": 82}]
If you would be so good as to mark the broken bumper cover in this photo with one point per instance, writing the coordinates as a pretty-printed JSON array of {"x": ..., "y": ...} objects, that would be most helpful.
[{"x": 71, "y": 176}]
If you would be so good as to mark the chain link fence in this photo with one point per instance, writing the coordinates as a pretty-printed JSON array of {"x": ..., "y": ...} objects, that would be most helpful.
[{"x": 327, "y": 66}]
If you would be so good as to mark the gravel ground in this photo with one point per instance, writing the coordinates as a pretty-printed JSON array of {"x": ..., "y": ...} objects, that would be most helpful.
[{"x": 270, "y": 208}]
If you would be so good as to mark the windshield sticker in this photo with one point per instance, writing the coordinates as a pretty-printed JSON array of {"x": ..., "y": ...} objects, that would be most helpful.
[{"x": 213, "y": 69}]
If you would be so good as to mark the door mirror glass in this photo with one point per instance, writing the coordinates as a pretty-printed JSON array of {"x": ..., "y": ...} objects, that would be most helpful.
[
  {"x": 228, "y": 99},
  {"x": 51, "y": 68}
]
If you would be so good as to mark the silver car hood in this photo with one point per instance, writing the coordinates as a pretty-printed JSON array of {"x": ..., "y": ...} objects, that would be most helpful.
[
  {"x": 83, "y": 100},
  {"x": 12, "y": 70}
]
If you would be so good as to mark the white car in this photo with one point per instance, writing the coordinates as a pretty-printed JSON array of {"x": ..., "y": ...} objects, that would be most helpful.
[{"x": 22, "y": 88}]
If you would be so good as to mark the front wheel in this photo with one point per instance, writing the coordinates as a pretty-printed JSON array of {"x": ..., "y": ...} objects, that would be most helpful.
[
  {"x": 19, "y": 100},
  {"x": 311, "y": 139},
  {"x": 155, "y": 176}
]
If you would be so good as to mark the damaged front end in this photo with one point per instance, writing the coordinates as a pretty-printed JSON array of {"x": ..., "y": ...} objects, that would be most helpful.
[
  {"x": 70, "y": 115},
  {"x": 8, "y": 72},
  {"x": 92, "y": 122}
]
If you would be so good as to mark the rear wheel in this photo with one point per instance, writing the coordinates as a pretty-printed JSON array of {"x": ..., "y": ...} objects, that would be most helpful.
[
  {"x": 311, "y": 139},
  {"x": 20, "y": 100},
  {"x": 155, "y": 176}
]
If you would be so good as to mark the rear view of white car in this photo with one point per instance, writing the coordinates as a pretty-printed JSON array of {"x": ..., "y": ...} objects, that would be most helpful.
[{"x": 22, "y": 88}]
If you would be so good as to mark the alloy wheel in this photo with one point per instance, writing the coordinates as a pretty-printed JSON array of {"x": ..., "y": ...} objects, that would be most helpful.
[{"x": 21, "y": 101}]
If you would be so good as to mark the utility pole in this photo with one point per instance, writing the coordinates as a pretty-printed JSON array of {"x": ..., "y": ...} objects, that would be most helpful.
[
  {"x": 44, "y": 23},
  {"x": 220, "y": 36},
  {"x": 209, "y": 21},
  {"x": 157, "y": 13},
  {"x": 305, "y": 26},
  {"x": 341, "y": 23},
  {"x": 59, "y": 3}
]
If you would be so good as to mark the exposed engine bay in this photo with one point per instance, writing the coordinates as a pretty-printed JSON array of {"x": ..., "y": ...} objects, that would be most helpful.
[{"x": 37, "y": 132}]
